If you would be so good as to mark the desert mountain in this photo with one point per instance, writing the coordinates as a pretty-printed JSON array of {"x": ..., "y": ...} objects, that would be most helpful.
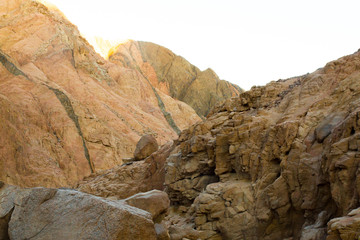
[
  {"x": 65, "y": 111},
  {"x": 280, "y": 161},
  {"x": 173, "y": 75},
  {"x": 277, "y": 162}
]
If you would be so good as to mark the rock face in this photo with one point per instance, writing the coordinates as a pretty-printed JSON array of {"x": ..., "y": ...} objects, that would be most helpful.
[
  {"x": 128, "y": 179},
  {"x": 173, "y": 75},
  {"x": 277, "y": 162},
  {"x": 43, "y": 213},
  {"x": 145, "y": 147},
  {"x": 155, "y": 202},
  {"x": 345, "y": 228},
  {"x": 65, "y": 112}
]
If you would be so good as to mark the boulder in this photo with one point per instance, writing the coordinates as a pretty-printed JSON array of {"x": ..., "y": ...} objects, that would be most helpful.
[
  {"x": 155, "y": 202},
  {"x": 44, "y": 213},
  {"x": 345, "y": 228},
  {"x": 145, "y": 147}
]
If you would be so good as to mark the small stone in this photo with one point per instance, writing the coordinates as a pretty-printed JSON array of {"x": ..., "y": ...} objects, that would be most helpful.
[
  {"x": 239, "y": 208},
  {"x": 232, "y": 149}
]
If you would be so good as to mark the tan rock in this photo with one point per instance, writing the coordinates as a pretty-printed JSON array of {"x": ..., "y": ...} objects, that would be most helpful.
[
  {"x": 155, "y": 202},
  {"x": 145, "y": 147},
  {"x": 43, "y": 213},
  {"x": 161, "y": 232},
  {"x": 129, "y": 179},
  {"x": 345, "y": 228},
  {"x": 173, "y": 75},
  {"x": 283, "y": 158},
  {"x": 65, "y": 111}
]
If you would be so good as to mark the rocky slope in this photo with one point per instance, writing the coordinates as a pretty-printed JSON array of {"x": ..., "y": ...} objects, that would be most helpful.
[
  {"x": 277, "y": 162},
  {"x": 173, "y": 75},
  {"x": 65, "y": 111}
]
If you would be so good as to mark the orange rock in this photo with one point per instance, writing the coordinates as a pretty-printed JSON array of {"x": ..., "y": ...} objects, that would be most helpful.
[
  {"x": 173, "y": 75},
  {"x": 65, "y": 111}
]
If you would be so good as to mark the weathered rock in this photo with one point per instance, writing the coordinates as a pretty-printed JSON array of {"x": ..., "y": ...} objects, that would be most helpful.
[
  {"x": 283, "y": 160},
  {"x": 65, "y": 112},
  {"x": 161, "y": 232},
  {"x": 345, "y": 228},
  {"x": 68, "y": 214},
  {"x": 145, "y": 147},
  {"x": 128, "y": 179},
  {"x": 155, "y": 202},
  {"x": 7, "y": 198},
  {"x": 173, "y": 75}
]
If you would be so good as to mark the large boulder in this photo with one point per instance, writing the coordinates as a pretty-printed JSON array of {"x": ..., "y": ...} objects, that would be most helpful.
[
  {"x": 145, "y": 147},
  {"x": 45, "y": 213},
  {"x": 155, "y": 202}
]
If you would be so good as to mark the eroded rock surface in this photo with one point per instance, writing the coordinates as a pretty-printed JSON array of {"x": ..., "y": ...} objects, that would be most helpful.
[
  {"x": 345, "y": 228},
  {"x": 173, "y": 75},
  {"x": 46, "y": 213},
  {"x": 65, "y": 112},
  {"x": 277, "y": 162},
  {"x": 128, "y": 179},
  {"x": 155, "y": 202}
]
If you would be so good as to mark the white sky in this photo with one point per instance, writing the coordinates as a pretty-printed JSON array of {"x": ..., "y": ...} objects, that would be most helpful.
[{"x": 245, "y": 42}]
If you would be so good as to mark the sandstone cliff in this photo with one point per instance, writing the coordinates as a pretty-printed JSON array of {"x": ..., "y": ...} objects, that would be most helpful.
[
  {"x": 277, "y": 162},
  {"x": 173, "y": 75},
  {"x": 65, "y": 111}
]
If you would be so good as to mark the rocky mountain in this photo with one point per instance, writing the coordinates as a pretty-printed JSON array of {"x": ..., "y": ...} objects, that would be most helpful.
[
  {"x": 280, "y": 161},
  {"x": 65, "y": 112},
  {"x": 277, "y": 162},
  {"x": 173, "y": 75}
]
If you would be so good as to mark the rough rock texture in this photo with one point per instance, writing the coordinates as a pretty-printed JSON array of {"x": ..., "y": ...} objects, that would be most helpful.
[
  {"x": 173, "y": 75},
  {"x": 277, "y": 162},
  {"x": 145, "y": 147},
  {"x": 129, "y": 179},
  {"x": 345, "y": 228},
  {"x": 65, "y": 111},
  {"x": 155, "y": 202},
  {"x": 45, "y": 213}
]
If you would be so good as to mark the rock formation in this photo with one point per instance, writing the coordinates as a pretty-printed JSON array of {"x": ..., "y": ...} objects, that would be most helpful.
[
  {"x": 277, "y": 162},
  {"x": 45, "y": 213},
  {"x": 65, "y": 112},
  {"x": 173, "y": 75},
  {"x": 131, "y": 178}
]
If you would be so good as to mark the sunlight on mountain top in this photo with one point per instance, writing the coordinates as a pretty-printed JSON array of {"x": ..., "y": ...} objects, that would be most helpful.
[{"x": 103, "y": 46}]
